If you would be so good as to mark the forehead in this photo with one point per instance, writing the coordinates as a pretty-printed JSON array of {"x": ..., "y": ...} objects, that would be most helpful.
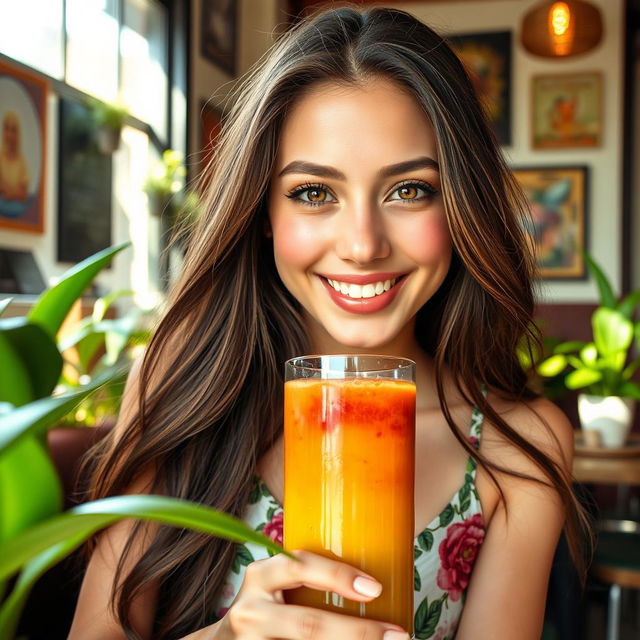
[{"x": 377, "y": 121}]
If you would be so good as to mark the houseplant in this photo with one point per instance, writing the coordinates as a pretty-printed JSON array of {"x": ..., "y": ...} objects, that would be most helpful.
[
  {"x": 604, "y": 367},
  {"x": 165, "y": 182},
  {"x": 34, "y": 532},
  {"x": 109, "y": 119}
]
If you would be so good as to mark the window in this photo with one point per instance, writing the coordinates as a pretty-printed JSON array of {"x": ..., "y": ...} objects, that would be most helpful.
[
  {"x": 143, "y": 50},
  {"x": 42, "y": 20}
]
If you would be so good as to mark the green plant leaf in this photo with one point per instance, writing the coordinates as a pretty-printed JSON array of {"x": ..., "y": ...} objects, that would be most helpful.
[
  {"x": 582, "y": 378},
  {"x": 630, "y": 369},
  {"x": 102, "y": 304},
  {"x": 86, "y": 519},
  {"x": 629, "y": 390},
  {"x": 38, "y": 352},
  {"x": 589, "y": 354},
  {"x": 569, "y": 347},
  {"x": 15, "y": 383},
  {"x": 4, "y": 303},
  {"x": 612, "y": 332},
  {"x": 29, "y": 486},
  {"x": 54, "y": 304},
  {"x": 35, "y": 417},
  {"x": 12, "y": 607},
  {"x": 552, "y": 366},
  {"x": 628, "y": 304},
  {"x": 607, "y": 297}
]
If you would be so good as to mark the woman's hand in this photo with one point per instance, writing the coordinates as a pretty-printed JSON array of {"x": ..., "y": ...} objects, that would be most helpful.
[{"x": 259, "y": 610}]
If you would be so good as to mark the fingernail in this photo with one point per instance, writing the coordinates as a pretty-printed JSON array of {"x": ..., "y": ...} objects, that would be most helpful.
[
  {"x": 367, "y": 586},
  {"x": 395, "y": 635}
]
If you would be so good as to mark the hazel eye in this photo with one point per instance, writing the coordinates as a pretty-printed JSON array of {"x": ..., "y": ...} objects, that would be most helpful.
[
  {"x": 411, "y": 190},
  {"x": 316, "y": 195}
]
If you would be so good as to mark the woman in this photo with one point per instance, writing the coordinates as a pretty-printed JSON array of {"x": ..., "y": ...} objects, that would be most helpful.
[{"x": 355, "y": 148}]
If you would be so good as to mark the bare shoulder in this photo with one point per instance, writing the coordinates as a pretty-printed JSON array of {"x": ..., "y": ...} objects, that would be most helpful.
[{"x": 538, "y": 422}]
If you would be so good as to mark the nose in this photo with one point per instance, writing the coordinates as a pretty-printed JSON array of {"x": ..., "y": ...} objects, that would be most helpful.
[{"x": 361, "y": 236}]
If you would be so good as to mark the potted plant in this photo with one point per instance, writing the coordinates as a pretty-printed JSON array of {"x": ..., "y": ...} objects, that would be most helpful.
[
  {"x": 165, "y": 182},
  {"x": 35, "y": 534},
  {"x": 604, "y": 367},
  {"x": 109, "y": 119}
]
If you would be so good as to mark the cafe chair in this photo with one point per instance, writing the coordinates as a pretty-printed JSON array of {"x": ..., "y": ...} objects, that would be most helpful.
[{"x": 617, "y": 563}]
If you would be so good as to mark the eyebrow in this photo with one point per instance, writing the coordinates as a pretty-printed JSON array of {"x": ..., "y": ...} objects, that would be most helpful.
[{"x": 303, "y": 166}]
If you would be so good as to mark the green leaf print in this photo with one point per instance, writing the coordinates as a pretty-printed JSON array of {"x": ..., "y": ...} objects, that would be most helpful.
[
  {"x": 270, "y": 512},
  {"x": 417, "y": 582},
  {"x": 471, "y": 465},
  {"x": 465, "y": 498},
  {"x": 416, "y": 552},
  {"x": 427, "y": 618},
  {"x": 265, "y": 491},
  {"x": 425, "y": 540},
  {"x": 254, "y": 496},
  {"x": 244, "y": 555},
  {"x": 447, "y": 516}
]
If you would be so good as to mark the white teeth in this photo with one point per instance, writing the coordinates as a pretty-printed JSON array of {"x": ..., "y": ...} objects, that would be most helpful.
[
  {"x": 358, "y": 291},
  {"x": 368, "y": 291}
]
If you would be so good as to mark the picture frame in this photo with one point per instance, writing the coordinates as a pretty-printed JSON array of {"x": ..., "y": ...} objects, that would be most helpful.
[
  {"x": 566, "y": 110},
  {"x": 23, "y": 149},
  {"x": 218, "y": 19},
  {"x": 558, "y": 198},
  {"x": 488, "y": 59}
]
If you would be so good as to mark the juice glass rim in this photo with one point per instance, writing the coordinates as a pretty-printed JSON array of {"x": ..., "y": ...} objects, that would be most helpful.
[{"x": 304, "y": 363}]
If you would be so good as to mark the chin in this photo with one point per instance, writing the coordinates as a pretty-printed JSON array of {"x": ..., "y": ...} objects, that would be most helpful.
[{"x": 361, "y": 343}]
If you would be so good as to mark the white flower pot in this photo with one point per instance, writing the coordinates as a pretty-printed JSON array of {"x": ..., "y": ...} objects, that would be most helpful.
[{"x": 611, "y": 416}]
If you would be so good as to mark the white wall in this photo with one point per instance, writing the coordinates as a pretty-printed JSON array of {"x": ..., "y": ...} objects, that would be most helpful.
[
  {"x": 257, "y": 20},
  {"x": 605, "y": 162}
]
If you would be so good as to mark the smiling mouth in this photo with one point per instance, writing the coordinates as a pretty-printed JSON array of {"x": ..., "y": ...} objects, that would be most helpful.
[{"x": 363, "y": 291}]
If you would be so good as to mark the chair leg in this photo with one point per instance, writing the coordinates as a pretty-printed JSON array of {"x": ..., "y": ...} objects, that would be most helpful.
[{"x": 613, "y": 618}]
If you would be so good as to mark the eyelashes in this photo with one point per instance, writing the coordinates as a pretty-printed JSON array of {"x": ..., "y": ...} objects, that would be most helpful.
[{"x": 294, "y": 194}]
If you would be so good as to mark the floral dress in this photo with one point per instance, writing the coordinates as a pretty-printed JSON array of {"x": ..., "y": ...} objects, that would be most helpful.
[{"x": 444, "y": 552}]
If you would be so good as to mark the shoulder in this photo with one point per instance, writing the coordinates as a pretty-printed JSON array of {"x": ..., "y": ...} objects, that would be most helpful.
[{"x": 522, "y": 477}]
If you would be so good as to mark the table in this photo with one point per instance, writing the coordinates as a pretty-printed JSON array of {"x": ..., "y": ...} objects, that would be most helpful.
[{"x": 599, "y": 470}]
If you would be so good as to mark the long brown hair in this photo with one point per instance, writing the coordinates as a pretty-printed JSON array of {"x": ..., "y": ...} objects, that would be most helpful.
[{"x": 230, "y": 323}]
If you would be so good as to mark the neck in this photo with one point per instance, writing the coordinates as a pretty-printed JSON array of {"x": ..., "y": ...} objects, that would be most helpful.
[{"x": 403, "y": 345}]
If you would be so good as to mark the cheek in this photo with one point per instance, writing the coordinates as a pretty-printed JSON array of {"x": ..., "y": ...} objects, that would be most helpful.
[
  {"x": 296, "y": 243},
  {"x": 429, "y": 241}
]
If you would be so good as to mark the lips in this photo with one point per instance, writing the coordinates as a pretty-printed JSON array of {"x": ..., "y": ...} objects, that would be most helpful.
[{"x": 367, "y": 304}]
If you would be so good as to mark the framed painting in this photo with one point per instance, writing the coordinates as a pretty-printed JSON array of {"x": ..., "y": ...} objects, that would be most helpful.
[
  {"x": 218, "y": 33},
  {"x": 23, "y": 153},
  {"x": 487, "y": 58},
  {"x": 558, "y": 223},
  {"x": 566, "y": 111}
]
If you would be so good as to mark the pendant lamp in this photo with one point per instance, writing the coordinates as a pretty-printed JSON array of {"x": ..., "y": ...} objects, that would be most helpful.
[{"x": 561, "y": 29}]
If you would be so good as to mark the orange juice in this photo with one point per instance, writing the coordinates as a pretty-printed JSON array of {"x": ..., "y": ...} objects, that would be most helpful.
[{"x": 349, "y": 478}]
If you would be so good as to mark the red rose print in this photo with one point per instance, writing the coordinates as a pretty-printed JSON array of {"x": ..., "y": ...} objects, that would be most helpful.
[
  {"x": 273, "y": 529},
  {"x": 458, "y": 553}
]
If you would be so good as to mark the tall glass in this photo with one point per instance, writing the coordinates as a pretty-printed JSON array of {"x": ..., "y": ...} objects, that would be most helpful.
[{"x": 349, "y": 430}]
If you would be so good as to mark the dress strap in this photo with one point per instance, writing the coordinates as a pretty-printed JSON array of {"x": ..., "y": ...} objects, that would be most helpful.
[
  {"x": 475, "y": 435},
  {"x": 477, "y": 419}
]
